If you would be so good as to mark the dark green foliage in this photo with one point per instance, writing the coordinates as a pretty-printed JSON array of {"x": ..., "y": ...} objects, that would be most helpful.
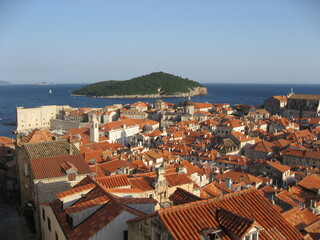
[{"x": 154, "y": 83}]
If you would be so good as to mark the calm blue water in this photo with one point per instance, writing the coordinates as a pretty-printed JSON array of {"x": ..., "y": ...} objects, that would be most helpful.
[{"x": 12, "y": 96}]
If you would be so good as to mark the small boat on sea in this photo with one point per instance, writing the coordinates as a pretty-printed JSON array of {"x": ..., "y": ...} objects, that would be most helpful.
[{"x": 50, "y": 91}]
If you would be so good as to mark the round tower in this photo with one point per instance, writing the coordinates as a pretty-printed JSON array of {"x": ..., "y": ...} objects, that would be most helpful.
[{"x": 188, "y": 106}]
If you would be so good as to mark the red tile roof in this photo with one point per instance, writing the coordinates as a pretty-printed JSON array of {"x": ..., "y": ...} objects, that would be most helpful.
[
  {"x": 114, "y": 165},
  {"x": 117, "y": 124},
  {"x": 311, "y": 182},
  {"x": 114, "y": 181},
  {"x": 75, "y": 190},
  {"x": 140, "y": 183},
  {"x": 263, "y": 146},
  {"x": 202, "y": 105},
  {"x": 181, "y": 196},
  {"x": 7, "y": 141},
  {"x": 188, "y": 220},
  {"x": 52, "y": 167},
  {"x": 110, "y": 208},
  {"x": 314, "y": 230},
  {"x": 210, "y": 190},
  {"x": 234, "y": 223},
  {"x": 192, "y": 168},
  {"x": 286, "y": 197},
  {"x": 239, "y": 177},
  {"x": 278, "y": 166},
  {"x": 234, "y": 160},
  {"x": 241, "y": 137},
  {"x": 234, "y": 123},
  {"x": 36, "y": 136},
  {"x": 281, "y": 98},
  {"x": 300, "y": 218},
  {"x": 143, "y": 122},
  {"x": 178, "y": 179}
]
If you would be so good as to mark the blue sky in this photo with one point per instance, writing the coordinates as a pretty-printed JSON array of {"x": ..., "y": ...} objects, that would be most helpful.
[{"x": 226, "y": 41}]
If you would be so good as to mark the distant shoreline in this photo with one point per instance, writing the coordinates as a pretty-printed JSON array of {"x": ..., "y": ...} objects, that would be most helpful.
[
  {"x": 45, "y": 83},
  {"x": 143, "y": 96},
  {"x": 5, "y": 83}
]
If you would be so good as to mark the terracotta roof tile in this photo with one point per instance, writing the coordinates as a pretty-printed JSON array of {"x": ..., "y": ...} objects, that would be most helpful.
[
  {"x": 75, "y": 190},
  {"x": 117, "y": 124},
  {"x": 36, "y": 136},
  {"x": 300, "y": 218},
  {"x": 282, "y": 98},
  {"x": 263, "y": 146},
  {"x": 49, "y": 149},
  {"x": 188, "y": 220},
  {"x": 114, "y": 165},
  {"x": 311, "y": 182},
  {"x": 234, "y": 223},
  {"x": 279, "y": 167},
  {"x": 114, "y": 181},
  {"x": 210, "y": 190},
  {"x": 52, "y": 167},
  {"x": 181, "y": 196},
  {"x": 234, "y": 160},
  {"x": 178, "y": 179},
  {"x": 110, "y": 208},
  {"x": 239, "y": 177},
  {"x": 286, "y": 197},
  {"x": 140, "y": 183},
  {"x": 202, "y": 105},
  {"x": 314, "y": 230}
]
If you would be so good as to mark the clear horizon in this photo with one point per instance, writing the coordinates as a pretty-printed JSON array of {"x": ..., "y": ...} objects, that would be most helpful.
[{"x": 81, "y": 41}]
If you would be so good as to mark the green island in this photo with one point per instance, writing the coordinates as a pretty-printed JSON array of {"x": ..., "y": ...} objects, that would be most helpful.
[{"x": 153, "y": 85}]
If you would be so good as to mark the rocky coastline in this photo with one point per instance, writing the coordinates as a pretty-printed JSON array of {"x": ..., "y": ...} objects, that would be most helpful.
[{"x": 197, "y": 91}]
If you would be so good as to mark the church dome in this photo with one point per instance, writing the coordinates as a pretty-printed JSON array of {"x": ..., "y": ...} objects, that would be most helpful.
[
  {"x": 188, "y": 102},
  {"x": 147, "y": 128}
]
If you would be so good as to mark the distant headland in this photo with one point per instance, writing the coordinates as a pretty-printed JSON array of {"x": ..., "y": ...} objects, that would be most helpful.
[
  {"x": 45, "y": 83},
  {"x": 4, "y": 83},
  {"x": 153, "y": 85}
]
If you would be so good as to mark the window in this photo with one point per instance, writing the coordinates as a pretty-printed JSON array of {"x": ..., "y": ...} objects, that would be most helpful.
[
  {"x": 56, "y": 235},
  {"x": 125, "y": 235},
  {"x": 43, "y": 214},
  {"x": 26, "y": 170},
  {"x": 255, "y": 236},
  {"x": 252, "y": 236},
  {"x": 49, "y": 224},
  {"x": 214, "y": 236}
]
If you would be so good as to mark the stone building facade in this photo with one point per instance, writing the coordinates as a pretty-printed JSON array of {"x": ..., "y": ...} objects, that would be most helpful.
[
  {"x": 302, "y": 106},
  {"x": 39, "y": 117},
  {"x": 275, "y": 104},
  {"x": 45, "y": 169}
]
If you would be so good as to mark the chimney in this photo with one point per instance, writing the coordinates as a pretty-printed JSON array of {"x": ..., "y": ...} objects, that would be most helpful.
[
  {"x": 70, "y": 149},
  {"x": 272, "y": 200},
  {"x": 228, "y": 183}
]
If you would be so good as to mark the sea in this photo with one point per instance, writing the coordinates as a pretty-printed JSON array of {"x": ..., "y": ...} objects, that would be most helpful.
[{"x": 19, "y": 95}]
